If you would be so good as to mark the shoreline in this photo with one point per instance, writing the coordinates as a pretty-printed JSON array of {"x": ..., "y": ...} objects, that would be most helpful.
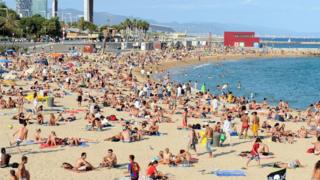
[{"x": 169, "y": 64}]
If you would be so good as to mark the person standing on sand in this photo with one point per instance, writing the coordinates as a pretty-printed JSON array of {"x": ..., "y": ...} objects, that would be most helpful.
[
  {"x": 255, "y": 124},
  {"x": 209, "y": 136},
  {"x": 184, "y": 118},
  {"x": 245, "y": 125},
  {"x": 22, "y": 134},
  {"x": 133, "y": 168},
  {"x": 23, "y": 173},
  {"x": 227, "y": 129}
]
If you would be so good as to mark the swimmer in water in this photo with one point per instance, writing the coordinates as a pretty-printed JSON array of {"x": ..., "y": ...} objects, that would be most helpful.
[{"x": 239, "y": 85}]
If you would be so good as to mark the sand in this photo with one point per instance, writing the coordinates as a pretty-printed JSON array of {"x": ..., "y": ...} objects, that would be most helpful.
[{"x": 45, "y": 164}]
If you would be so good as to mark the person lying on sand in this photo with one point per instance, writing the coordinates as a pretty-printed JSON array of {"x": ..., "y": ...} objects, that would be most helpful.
[{"x": 291, "y": 165}]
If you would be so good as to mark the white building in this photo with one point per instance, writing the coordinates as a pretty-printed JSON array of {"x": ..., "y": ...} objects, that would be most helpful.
[
  {"x": 88, "y": 10},
  {"x": 23, "y": 7}
]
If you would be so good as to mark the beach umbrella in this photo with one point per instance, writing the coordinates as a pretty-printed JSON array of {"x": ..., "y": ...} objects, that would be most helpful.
[
  {"x": 10, "y": 51},
  {"x": 2, "y": 71},
  {"x": 203, "y": 88},
  {"x": 5, "y": 61}
]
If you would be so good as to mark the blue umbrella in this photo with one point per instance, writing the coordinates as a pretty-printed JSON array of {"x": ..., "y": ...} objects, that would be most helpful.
[
  {"x": 11, "y": 50},
  {"x": 3, "y": 71},
  {"x": 5, "y": 61}
]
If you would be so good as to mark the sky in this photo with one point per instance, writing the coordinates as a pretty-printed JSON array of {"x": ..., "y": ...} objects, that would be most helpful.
[{"x": 295, "y": 15}]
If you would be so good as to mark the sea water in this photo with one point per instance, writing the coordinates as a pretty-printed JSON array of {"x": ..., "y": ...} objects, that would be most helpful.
[{"x": 295, "y": 80}]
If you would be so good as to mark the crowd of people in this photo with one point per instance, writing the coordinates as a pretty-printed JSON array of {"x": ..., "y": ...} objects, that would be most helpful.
[{"x": 125, "y": 84}]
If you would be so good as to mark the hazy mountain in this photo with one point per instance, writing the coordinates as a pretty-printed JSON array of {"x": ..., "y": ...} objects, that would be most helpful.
[{"x": 192, "y": 27}]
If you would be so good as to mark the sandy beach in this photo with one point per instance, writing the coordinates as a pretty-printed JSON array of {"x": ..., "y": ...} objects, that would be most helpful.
[{"x": 46, "y": 163}]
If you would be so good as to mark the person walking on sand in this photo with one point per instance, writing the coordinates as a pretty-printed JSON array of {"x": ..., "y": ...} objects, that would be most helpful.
[
  {"x": 193, "y": 139},
  {"x": 254, "y": 152},
  {"x": 22, "y": 134}
]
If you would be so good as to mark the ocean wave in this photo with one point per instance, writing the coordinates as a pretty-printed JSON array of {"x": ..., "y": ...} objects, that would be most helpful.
[{"x": 202, "y": 65}]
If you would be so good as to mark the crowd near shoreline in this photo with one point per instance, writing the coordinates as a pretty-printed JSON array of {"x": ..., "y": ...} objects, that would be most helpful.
[{"x": 95, "y": 116}]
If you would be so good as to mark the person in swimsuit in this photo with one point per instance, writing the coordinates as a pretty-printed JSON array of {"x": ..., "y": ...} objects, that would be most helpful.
[
  {"x": 5, "y": 158},
  {"x": 82, "y": 164},
  {"x": 23, "y": 173},
  {"x": 245, "y": 125},
  {"x": 167, "y": 156},
  {"x": 13, "y": 175},
  {"x": 255, "y": 124},
  {"x": 317, "y": 146},
  {"x": 110, "y": 160},
  {"x": 316, "y": 171},
  {"x": 79, "y": 98},
  {"x": 291, "y": 165},
  {"x": 22, "y": 135},
  {"x": 209, "y": 136},
  {"x": 184, "y": 118}
]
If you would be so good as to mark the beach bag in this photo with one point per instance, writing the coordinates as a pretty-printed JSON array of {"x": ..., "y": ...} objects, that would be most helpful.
[
  {"x": 310, "y": 150},
  {"x": 223, "y": 137},
  {"x": 112, "y": 118}
]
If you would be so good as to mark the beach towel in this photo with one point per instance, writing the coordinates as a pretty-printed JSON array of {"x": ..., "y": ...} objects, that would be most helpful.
[
  {"x": 229, "y": 173},
  {"x": 310, "y": 150},
  {"x": 83, "y": 144},
  {"x": 45, "y": 146},
  {"x": 30, "y": 142}
]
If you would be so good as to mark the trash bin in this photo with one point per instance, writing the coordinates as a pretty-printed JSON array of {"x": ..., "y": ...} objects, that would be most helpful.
[{"x": 50, "y": 101}]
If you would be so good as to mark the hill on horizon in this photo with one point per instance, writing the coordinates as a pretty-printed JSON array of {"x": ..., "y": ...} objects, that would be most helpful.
[{"x": 102, "y": 18}]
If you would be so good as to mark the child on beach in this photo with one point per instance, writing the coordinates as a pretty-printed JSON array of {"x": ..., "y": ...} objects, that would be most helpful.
[
  {"x": 254, "y": 152},
  {"x": 133, "y": 168}
]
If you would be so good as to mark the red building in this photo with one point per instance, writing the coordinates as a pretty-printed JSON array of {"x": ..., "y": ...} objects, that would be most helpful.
[{"x": 241, "y": 39}]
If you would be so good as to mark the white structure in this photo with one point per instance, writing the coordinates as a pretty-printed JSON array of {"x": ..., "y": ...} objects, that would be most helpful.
[
  {"x": 23, "y": 7},
  {"x": 54, "y": 8},
  {"x": 88, "y": 10},
  {"x": 40, "y": 7}
]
